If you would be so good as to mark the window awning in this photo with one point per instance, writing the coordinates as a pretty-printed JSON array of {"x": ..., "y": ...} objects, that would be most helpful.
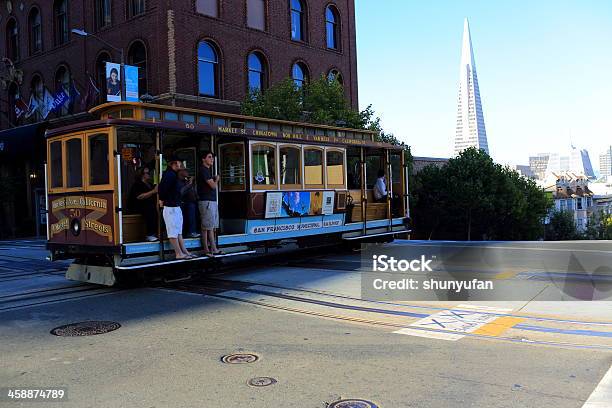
[{"x": 23, "y": 140}]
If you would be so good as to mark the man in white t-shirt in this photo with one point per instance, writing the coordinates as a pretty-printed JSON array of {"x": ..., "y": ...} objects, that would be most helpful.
[{"x": 380, "y": 188}]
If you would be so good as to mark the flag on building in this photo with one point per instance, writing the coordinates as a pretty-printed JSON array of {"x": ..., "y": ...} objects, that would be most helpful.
[
  {"x": 91, "y": 95},
  {"x": 75, "y": 95},
  {"x": 21, "y": 108},
  {"x": 47, "y": 105},
  {"x": 34, "y": 106}
]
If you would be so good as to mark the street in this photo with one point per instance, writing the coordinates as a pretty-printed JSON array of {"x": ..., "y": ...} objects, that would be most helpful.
[{"x": 303, "y": 317}]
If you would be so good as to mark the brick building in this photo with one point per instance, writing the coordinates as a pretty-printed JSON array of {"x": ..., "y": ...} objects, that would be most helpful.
[{"x": 197, "y": 53}]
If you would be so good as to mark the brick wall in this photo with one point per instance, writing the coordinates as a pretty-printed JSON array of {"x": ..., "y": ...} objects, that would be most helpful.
[{"x": 171, "y": 30}]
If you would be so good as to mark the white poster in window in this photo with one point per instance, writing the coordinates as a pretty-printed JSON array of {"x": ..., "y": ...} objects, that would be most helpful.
[
  {"x": 274, "y": 202},
  {"x": 328, "y": 203}
]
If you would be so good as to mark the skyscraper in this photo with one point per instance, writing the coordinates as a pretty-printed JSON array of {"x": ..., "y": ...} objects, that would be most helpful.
[
  {"x": 605, "y": 163},
  {"x": 470, "y": 129}
]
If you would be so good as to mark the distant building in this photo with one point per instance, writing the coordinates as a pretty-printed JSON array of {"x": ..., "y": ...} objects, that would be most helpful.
[
  {"x": 571, "y": 193},
  {"x": 470, "y": 130},
  {"x": 605, "y": 163},
  {"x": 524, "y": 170},
  {"x": 538, "y": 165},
  {"x": 419, "y": 163},
  {"x": 578, "y": 162}
]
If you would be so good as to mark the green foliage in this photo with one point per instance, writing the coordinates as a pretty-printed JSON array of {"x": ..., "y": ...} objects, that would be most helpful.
[
  {"x": 320, "y": 101},
  {"x": 599, "y": 226},
  {"x": 471, "y": 197},
  {"x": 561, "y": 226}
]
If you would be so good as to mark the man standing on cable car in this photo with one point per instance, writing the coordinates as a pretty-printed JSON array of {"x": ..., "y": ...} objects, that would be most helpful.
[
  {"x": 209, "y": 211},
  {"x": 170, "y": 199}
]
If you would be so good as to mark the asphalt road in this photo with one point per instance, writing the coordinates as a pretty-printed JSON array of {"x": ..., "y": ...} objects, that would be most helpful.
[{"x": 304, "y": 317}]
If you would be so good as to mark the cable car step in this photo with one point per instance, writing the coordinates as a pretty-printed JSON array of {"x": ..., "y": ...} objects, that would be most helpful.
[
  {"x": 178, "y": 261},
  {"x": 373, "y": 235}
]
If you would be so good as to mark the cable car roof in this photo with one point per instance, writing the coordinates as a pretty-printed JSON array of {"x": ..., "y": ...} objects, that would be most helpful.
[{"x": 148, "y": 115}]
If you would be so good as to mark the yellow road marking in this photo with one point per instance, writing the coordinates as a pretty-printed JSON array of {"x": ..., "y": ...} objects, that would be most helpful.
[
  {"x": 505, "y": 275},
  {"x": 498, "y": 326}
]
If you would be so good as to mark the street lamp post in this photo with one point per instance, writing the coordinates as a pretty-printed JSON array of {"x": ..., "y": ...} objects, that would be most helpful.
[{"x": 85, "y": 34}]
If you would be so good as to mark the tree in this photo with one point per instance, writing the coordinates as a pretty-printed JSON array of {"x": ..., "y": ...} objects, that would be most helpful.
[
  {"x": 319, "y": 101},
  {"x": 471, "y": 197},
  {"x": 599, "y": 226},
  {"x": 561, "y": 226}
]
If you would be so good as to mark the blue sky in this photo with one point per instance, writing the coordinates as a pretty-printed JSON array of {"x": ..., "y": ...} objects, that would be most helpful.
[{"x": 544, "y": 70}]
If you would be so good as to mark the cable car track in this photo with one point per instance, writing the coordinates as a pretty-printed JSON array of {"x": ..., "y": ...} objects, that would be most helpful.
[{"x": 220, "y": 288}]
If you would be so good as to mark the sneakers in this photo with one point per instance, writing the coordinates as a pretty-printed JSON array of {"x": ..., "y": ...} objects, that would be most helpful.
[
  {"x": 152, "y": 238},
  {"x": 194, "y": 235}
]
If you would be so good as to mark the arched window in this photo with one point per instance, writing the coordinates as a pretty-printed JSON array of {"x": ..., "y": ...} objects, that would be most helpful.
[
  {"x": 36, "y": 92},
  {"x": 137, "y": 56},
  {"x": 35, "y": 23},
  {"x": 208, "y": 69},
  {"x": 135, "y": 8},
  {"x": 332, "y": 28},
  {"x": 299, "y": 74},
  {"x": 101, "y": 61},
  {"x": 298, "y": 20},
  {"x": 335, "y": 75},
  {"x": 256, "y": 14},
  {"x": 102, "y": 13},
  {"x": 60, "y": 16},
  {"x": 207, "y": 7},
  {"x": 257, "y": 72},
  {"x": 290, "y": 158},
  {"x": 62, "y": 81},
  {"x": 12, "y": 40}
]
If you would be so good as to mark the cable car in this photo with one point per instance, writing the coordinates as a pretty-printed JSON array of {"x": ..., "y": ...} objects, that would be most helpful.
[{"x": 280, "y": 182}]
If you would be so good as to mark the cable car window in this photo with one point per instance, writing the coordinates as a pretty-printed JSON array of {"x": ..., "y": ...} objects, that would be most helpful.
[
  {"x": 264, "y": 165},
  {"x": 152, "y": 114},
  {"x": 290, "y": 166},
  {"x": 57, "y": 176},
  {"x": 98, "y": 159},
  {"x": 232, "y": 169},
  {"x": 74, "y": 163},
  {"x": 172, "y": 116},
  {"x": 313, "y": 167},
  {"x": 335, "y": 168}
]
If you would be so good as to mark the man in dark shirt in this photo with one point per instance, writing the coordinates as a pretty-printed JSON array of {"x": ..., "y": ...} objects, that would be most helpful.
[
  {"x": 170, "y": 199},
  {"x": 209, "y": 212}
]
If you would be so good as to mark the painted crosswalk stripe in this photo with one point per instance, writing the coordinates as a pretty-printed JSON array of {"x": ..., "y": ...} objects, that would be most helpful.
[
  {"x": 452, "y": 324},
  {"x": 602, "y": 395}
]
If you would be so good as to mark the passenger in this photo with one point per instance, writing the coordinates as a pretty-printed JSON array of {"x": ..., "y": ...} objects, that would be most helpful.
[
  {"x": 209, "y": 212},
  {"x": 380, "y": 188},
  {"x": 170, "y": 199},
  {"x": 190, "y": 202},
  {"x": 142, "y": 200}
]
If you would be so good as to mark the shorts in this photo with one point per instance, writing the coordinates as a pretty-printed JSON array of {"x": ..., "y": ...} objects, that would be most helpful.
[
  {"x": 209, "y": 214},
  {"x": 173, "y": 217}
]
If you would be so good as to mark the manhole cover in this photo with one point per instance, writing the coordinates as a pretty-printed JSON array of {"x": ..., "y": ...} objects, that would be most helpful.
[
  {"x": 240, "y": 358},
  {"x": 261, "y": 381},
  {"x": 85, "y": 329},
  {"x": 352, "y": 403}
]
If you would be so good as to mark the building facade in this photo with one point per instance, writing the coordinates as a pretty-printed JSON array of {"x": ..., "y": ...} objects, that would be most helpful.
[
  {"x": 571, "y": 193},
  {"x": 470, "y": 130},
  {"x": 206, "y": 54},
  {"x": 605, "y": 163},
  {"x": 538, "y": 165}
]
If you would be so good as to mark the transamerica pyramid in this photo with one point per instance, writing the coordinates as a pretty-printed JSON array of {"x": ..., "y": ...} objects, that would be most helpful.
[{"x": 470, "y": 129}]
